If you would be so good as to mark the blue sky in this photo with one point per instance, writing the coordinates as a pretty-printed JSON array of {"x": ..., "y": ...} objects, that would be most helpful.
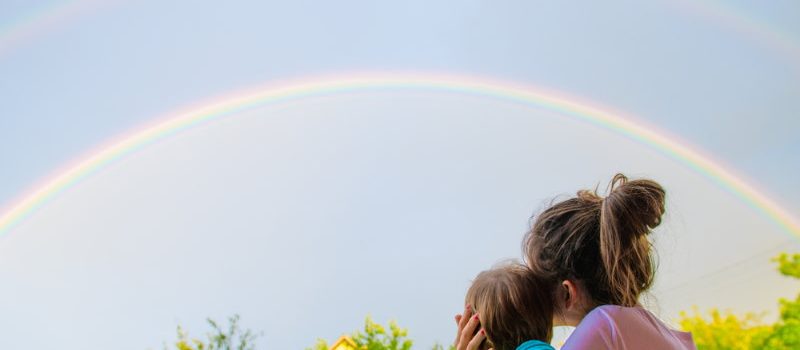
[{"x": 341, "y": 193}]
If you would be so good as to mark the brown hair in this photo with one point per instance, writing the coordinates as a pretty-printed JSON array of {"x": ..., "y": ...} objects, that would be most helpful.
[
  {"x": 513, "y": 306},
  {"x": 603, "y": 242}
]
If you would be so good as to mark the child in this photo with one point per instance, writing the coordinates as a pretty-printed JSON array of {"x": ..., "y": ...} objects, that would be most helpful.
[{"x": 514, "y": 307}]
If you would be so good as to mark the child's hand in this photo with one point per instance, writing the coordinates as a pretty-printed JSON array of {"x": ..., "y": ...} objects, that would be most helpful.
[{"x": 466, "y": 338}]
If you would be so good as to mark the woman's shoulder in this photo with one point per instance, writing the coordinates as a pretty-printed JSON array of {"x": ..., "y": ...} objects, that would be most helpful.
[
  {"x": 616, "y": 310},
  {"x": 620, "y": 327},
  {"x": 624, "y": 314},
  {"x": 607, "y": 316},
  {"x": 628, "y": 317}
]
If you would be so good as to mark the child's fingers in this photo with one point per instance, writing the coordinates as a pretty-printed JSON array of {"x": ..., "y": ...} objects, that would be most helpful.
[
  {"x": 462, "y": 322},
  {"x": 465, "y": 317},
  {"x": 467, "y": 332},
  {"x": 476, "y": 341},
  {"x": 458, "y": 331}
]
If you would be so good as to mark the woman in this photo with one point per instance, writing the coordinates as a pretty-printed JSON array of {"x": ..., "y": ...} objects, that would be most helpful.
[{"x": 598, "y": 256}]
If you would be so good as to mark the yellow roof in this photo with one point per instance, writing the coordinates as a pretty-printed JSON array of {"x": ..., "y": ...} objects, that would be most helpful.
[{"x": 344, "y": 343}]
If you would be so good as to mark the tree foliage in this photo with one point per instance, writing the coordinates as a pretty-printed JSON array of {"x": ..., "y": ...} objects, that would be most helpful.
[
  {"x": 724, "y": 330},
  {"x": 373, "y": 336},
  {"x": 377, "y": 337},
  {"x": 220, "y": 338}
]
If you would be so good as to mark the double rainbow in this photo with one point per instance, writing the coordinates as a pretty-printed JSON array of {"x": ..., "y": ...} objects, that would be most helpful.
[
  {"x": 49, "y": 18},
  {"x": 173, "y": 123}
]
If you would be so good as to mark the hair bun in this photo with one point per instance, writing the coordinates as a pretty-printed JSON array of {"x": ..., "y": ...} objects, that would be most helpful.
[{"x": 633, "y": 207}]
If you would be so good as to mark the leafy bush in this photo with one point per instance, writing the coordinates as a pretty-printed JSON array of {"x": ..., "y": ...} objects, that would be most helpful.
[{"x": 728, "y": 331}]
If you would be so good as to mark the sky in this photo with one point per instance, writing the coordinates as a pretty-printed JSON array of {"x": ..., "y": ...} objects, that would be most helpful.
[{"x": 305, "y": 216}]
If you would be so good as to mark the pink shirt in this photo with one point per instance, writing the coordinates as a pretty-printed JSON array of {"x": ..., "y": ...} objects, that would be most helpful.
[{"x": 625, "y": 328}]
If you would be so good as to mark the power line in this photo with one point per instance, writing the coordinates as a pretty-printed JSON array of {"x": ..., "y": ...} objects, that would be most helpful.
[{"x": 738, "y": 263}]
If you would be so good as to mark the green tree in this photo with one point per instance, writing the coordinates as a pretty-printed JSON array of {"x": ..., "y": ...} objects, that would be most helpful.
[
  {"x": 376, "y": 337},
  {"x": 723, "y": 330},
  {"x": 728, "y": 331},
  {"x": 786, "y": 333},
  {"x": 220, "y": 338}
]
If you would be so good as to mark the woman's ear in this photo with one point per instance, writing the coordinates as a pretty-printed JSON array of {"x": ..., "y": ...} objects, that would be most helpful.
[
  {"x": 569, "y": 294},
  {"x": 571, "y": 303}
]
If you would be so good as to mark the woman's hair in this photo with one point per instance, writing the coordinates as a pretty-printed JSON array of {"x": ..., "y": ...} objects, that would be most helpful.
[
  {"x": 602, "y": 242},
  {"x": 513, "y": 306}
]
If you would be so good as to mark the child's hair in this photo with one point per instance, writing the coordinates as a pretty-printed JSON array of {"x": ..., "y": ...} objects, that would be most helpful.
[
  {"x": 513, "y": 306},
  {"x": 602, "y": 242}
]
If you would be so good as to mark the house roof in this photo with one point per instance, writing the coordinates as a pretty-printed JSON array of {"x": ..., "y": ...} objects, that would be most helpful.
[{"x": 344, "y": 343}]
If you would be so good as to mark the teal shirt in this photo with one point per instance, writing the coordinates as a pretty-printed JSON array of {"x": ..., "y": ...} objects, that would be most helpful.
[{"x": 534, "y": 345}]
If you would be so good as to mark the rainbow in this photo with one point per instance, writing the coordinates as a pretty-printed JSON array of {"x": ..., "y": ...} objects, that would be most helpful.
[
  {"x": 50, "y": 17},
  {"x": 173, "y": 123},
  {"x": 42, "y": 20},
  {"x": 726, "y": 15}
]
